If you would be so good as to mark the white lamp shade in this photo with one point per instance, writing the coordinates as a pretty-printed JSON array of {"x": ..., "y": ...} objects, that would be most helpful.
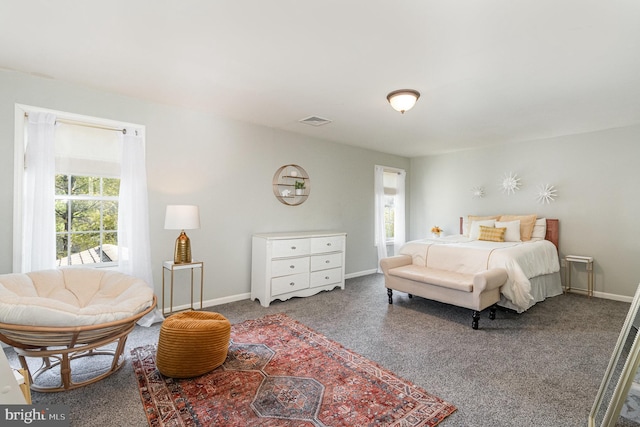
[
  {"x": 182, "y": 217},
  {"x": 403, "y": 100}
]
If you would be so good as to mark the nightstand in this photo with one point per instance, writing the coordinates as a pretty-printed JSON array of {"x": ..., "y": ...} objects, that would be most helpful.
[
  {"x": 588, "y": 261},
  {"x": 172, "y": 268}
]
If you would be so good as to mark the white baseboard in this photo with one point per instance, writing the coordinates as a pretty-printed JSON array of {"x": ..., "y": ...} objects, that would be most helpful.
[
  {"x": 359, "y": 273},
  {"x": 614, "y": 297},
  {"x": 213, "y": 302},
  {"x": 240, "y": 297}
]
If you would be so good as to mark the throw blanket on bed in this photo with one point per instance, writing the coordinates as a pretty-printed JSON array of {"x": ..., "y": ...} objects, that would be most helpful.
[{"x": 522, "y": 260}]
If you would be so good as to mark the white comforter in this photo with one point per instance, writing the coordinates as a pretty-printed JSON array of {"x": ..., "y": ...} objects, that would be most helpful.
[{"x": 522, "y": 260}]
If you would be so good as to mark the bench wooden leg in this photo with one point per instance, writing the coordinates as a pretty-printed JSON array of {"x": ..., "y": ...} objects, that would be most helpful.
[
  {"x": 390, "y": 294},
  {"x": 476, "y": 318}
]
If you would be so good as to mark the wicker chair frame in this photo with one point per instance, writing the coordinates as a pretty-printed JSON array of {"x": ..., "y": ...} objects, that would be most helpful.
[{"x": 64, "y": 344}]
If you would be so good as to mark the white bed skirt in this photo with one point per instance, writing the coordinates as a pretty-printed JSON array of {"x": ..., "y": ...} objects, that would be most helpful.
[{"x": 542, "y": 287}]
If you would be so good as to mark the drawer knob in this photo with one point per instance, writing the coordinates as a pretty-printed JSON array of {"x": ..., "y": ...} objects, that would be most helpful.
[
  {"x": 327, "y": 262},
  {"x": 328, "y": 244},
  {"x": 292, "y": 284},
  {"x": 326, "y": 277},
  {"x": 293, "y": 248},
  {"x": 292, "y": 266}
]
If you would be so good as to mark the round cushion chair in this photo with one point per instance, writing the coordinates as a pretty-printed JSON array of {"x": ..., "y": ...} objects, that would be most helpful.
[
  {"x": 192, "y": 343},
  {"x": 70, "y": 313}
]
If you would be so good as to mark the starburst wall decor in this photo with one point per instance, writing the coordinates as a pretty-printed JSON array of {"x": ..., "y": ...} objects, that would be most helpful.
[
  {"x": 477, "y": 192},
  {"x": 510, "y": 183},
  {"x": 546, "y": 193}
]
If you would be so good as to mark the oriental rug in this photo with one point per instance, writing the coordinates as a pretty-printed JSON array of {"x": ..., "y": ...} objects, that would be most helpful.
[{"x": 279, "y": 372}]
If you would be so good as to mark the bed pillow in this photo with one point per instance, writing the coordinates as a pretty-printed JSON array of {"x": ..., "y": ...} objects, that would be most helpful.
[
  {"x": 492, "y": 234},
  {"x": 474, "y": 230},
  {"x": 466, "y": 227},
  {"x": 526, "y": 224},
  {"x": 513, "y": 230},
  {"x": 539, "y": 229}
]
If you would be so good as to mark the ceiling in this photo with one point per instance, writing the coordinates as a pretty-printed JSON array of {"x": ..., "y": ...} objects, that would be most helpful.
[{"x": 489, "y": 71}]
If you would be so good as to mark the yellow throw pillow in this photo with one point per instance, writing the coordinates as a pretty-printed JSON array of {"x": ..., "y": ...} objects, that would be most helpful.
[
  {"x": 527, "y": 222},
  {"x": 492, "y": 234}
]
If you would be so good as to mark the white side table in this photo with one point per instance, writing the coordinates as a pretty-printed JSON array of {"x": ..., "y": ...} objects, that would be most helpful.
[
  {"x": 588, "y": 260},
  {"x": 172, "y": 267}
]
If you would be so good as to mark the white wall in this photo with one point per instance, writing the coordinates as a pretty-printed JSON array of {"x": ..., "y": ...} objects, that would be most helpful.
[
  {"x": 225, "y": 167},
  {"x": 598, "y": 187}
]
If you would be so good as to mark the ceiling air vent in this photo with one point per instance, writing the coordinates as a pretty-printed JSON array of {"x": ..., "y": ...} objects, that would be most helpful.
[{"x": 315, "y": 121}]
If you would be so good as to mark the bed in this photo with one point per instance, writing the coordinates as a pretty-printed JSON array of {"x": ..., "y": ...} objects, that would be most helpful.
[{"x": 529, "y": 255}]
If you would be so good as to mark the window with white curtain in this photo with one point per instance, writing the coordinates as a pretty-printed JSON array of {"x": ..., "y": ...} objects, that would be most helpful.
[
  {"x": 389, "y": 210},
  {"x": 84, "y": 198}
]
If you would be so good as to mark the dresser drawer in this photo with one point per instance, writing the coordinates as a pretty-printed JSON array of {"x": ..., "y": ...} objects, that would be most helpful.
[
  {"x": 326, "y": 261},
  {"x": 282, "y": 285},
  {"x": 290, "y": 247},
  {"x": 326, "y": 277},
  {"x": 327, "y": 244},
  {"x": 285, "y": 267}
]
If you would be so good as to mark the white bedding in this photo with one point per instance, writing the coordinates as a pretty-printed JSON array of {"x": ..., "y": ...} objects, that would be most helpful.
[{"x": 522, "y": 260}]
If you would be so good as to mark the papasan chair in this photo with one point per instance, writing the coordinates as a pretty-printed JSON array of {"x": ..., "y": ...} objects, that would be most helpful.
[{"x": 70, "y": 313}]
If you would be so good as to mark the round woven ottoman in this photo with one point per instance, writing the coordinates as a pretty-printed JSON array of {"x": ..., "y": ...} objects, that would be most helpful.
[{"x": 192, "y": 343}]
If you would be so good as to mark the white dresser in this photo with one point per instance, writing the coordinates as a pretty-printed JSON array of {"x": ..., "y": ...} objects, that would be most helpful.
[{"x": 299, "y": 264}]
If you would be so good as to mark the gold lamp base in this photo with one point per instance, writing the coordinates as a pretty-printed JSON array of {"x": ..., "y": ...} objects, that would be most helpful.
[{"x": 182, "y": 253}]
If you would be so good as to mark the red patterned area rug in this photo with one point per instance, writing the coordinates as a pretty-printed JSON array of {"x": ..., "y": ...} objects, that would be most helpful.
[{"x": 279, "y": 372}]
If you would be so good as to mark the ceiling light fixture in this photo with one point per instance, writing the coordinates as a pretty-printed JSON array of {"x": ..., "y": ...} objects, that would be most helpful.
[{"x": 403, "y": 100}]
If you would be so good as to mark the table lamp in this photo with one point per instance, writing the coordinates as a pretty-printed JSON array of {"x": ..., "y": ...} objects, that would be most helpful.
[{"x": 182, "y": 217}]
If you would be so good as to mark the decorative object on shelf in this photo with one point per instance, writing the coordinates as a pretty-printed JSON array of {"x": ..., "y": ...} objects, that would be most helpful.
[
  {"x": 182, "y": 217},
  {"x": 436, "y": 231},
  {"x": 403, "y": 99},
  {"x": 477, "y": 192},
  {"x": 299, "y": 187},
  {"x": 510, "y": 183},
  {"x": 291, "y": 185},
  {"x": 546, "y": 193}
]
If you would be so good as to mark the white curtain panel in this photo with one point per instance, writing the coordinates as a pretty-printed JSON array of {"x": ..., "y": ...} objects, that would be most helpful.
[
  {"x": 380, "y": 234},
  {"x": 134, "y": 247},
  {"x": 399, "y": 223},
  {"x": 39, "y": 223}
]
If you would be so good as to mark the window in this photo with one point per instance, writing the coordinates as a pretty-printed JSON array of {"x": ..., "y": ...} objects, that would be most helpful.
[
  {"x": 389, "y": 212},
  {"x": 85, "y": 192},
  {"x": 86, "y": 210},
  {"x": 87, "y": 185},
  {"x": 390, "y": 182}
]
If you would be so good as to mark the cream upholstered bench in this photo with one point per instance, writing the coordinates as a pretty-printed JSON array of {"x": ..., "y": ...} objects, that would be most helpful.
[
  {"x": 70, "y": 313},
  {"x": 473, "y": 291}
]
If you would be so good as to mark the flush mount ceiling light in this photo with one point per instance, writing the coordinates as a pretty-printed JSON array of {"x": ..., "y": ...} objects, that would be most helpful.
[{"x": 403, "y": 100}]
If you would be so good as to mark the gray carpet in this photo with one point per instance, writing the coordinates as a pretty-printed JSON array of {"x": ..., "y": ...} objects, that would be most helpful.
[{"x": 539, "y": 368}]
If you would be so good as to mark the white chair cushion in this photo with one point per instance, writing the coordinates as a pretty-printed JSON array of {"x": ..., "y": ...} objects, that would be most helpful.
[{"x": 71, "y": 297}]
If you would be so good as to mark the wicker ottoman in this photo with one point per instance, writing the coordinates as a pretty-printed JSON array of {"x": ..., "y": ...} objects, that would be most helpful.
[{"x": 192, "y": 343}]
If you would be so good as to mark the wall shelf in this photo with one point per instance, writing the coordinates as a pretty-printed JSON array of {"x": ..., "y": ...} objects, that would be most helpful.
[{"x": 284, "y": 185}]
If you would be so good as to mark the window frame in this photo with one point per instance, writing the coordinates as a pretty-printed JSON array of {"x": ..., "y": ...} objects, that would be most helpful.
[
  {"x": 390, "y": 194},
  {"x": 20, "y": 127},
  {"x": 69, "y": 199}
]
